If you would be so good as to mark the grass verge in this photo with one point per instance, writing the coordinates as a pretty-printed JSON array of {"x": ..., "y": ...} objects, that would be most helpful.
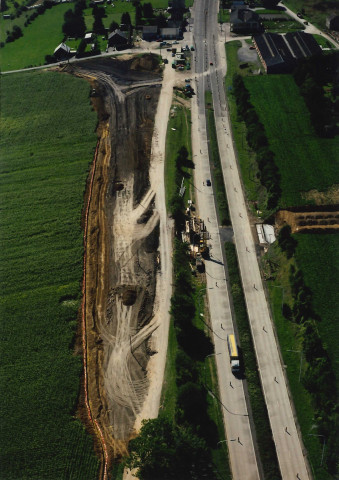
[
  {"x": 47, "y": 142},
  {"x": 178, "y": 135},
  {"x": 258, "y": 405},
  {"x": 246, "y": 157},
  {"x": 219, "y": 186}
]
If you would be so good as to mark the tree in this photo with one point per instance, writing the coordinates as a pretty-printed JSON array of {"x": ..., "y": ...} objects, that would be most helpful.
[
  {"x": 165, "y": 451},
  {"x": 270, "y": 3},
  {"x": 74, "y": 25},
  {"x": 113, "y": 26},
  {"x": 98, "y": 26},
  {"x": 147, "y": 10},
  {"x": 126, "y": 19}
]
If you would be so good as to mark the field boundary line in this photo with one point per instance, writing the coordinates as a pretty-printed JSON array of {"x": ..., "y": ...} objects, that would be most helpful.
[{"x": 83, "y": 321}]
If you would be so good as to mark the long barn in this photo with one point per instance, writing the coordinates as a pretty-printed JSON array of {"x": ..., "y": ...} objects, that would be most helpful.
[{"x": 280, "y": 53}]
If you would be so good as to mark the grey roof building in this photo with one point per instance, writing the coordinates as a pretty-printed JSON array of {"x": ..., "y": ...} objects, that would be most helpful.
[
  {"x": 149, "y": 32},
  {"x": 280, "y": 53},
  {"x": 242, "y": 19},
  {"x": 118, "y": 39},
  {"x": 170, "y": 33},
  {"x": 62, "y": 51}
]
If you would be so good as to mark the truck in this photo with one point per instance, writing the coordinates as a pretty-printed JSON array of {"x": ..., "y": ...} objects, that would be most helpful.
[{"x": 234, "y": 354}]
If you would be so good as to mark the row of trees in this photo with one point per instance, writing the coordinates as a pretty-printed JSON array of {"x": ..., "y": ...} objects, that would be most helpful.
[
  {"x": 319, "y": 378},
  {"x": 316, "y": 78},
  {"x": 257, "y": 140},
  {"x": 178, "y": 449}
]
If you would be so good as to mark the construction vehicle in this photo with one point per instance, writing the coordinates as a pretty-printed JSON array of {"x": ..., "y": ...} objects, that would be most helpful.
[
  {"x": 234, "y": 354},
  {"x": 199, "y": 262}
]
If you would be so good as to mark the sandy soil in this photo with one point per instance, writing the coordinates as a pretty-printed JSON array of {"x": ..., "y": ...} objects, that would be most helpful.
[{"x": 128, "y": 263}]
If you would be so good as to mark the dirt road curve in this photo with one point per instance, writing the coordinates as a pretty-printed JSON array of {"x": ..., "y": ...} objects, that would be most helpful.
[{"x": 127, "y": 274}]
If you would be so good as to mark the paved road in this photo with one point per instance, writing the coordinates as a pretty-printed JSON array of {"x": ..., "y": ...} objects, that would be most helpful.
[
  {"x": 290, "y": 452},
  {"x": 243, "y": 458}
]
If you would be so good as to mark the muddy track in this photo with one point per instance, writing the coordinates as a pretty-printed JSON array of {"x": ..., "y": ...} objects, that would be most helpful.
[{"x": 122, "y": 249}]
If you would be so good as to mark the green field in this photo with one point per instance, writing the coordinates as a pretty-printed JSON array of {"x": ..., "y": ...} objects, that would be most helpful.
[
  {"x": 40, "y": 38},
  {"x": 47, "y": 144},
  {"x": 317, "y": 256},
  {"x": 314, "y": 11},
  {"x": 305, "y": 161}
]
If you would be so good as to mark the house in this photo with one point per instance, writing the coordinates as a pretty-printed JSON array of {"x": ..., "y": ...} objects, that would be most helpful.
[
  {"x": 149, "y": 33},
  {"x": 242, "y": 20},
  {"x": 119, "y": 39},
  {"x": 332, "y": 22},
  {"x": 171, "y": 33},
  {"x": 280, "y": 53},
  {"x": 62, "y": 52}
]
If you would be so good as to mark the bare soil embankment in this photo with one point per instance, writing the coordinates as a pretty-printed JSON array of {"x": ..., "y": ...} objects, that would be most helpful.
[{"x": 122, "y": 245}]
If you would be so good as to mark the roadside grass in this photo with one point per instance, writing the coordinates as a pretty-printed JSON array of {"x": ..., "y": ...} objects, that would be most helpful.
[
  {"x": 290, "y": 339},
  {"x": 180, "y": 120},
  {"x": 40, "y": 38},
  {"x": 323, "y": 42},
  {"x": 218, "y": 179},
  {"x": 223, "y": 15},
  {"x": 306, "y": 162},
  {"x": 260, "y": 416},
  {"x": 246, "y": 157},
  {"x": 169, "y": 387},
  {"x": 47, "y": 143}
]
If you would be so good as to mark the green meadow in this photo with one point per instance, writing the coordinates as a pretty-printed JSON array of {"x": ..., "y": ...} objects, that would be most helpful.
[
  {"x": 40, "y": 38},
  {"x": 305, "y": 161},
  {"x": 47, "y": 141}
]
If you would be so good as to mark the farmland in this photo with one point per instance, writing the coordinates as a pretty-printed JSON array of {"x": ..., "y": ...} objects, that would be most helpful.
[
  {"x": 305, "y": 162},
  {"x": 47, "y": 143}
]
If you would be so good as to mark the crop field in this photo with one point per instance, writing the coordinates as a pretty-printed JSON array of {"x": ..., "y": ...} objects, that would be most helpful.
[
  {"x": 40, "y": 38},
  {"x": 305, "y": 162},
  {"x": 317, "y": 256},
  {"x": 47, "y": 143}
]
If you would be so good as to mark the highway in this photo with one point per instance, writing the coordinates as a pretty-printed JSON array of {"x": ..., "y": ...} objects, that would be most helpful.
[
  {"x": 290, "y": 451},
  {"x": 242, "y": 453}
]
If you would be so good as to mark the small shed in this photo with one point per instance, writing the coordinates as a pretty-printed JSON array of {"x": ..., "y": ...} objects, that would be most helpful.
[{"x": 89, "y": 37}]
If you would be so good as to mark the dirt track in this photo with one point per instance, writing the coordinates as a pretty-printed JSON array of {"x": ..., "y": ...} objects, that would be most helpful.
[{"x": 122, "y": 247}]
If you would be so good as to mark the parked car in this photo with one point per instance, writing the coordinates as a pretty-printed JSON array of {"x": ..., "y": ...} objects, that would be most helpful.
[{"x": 208, "y": 182}]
